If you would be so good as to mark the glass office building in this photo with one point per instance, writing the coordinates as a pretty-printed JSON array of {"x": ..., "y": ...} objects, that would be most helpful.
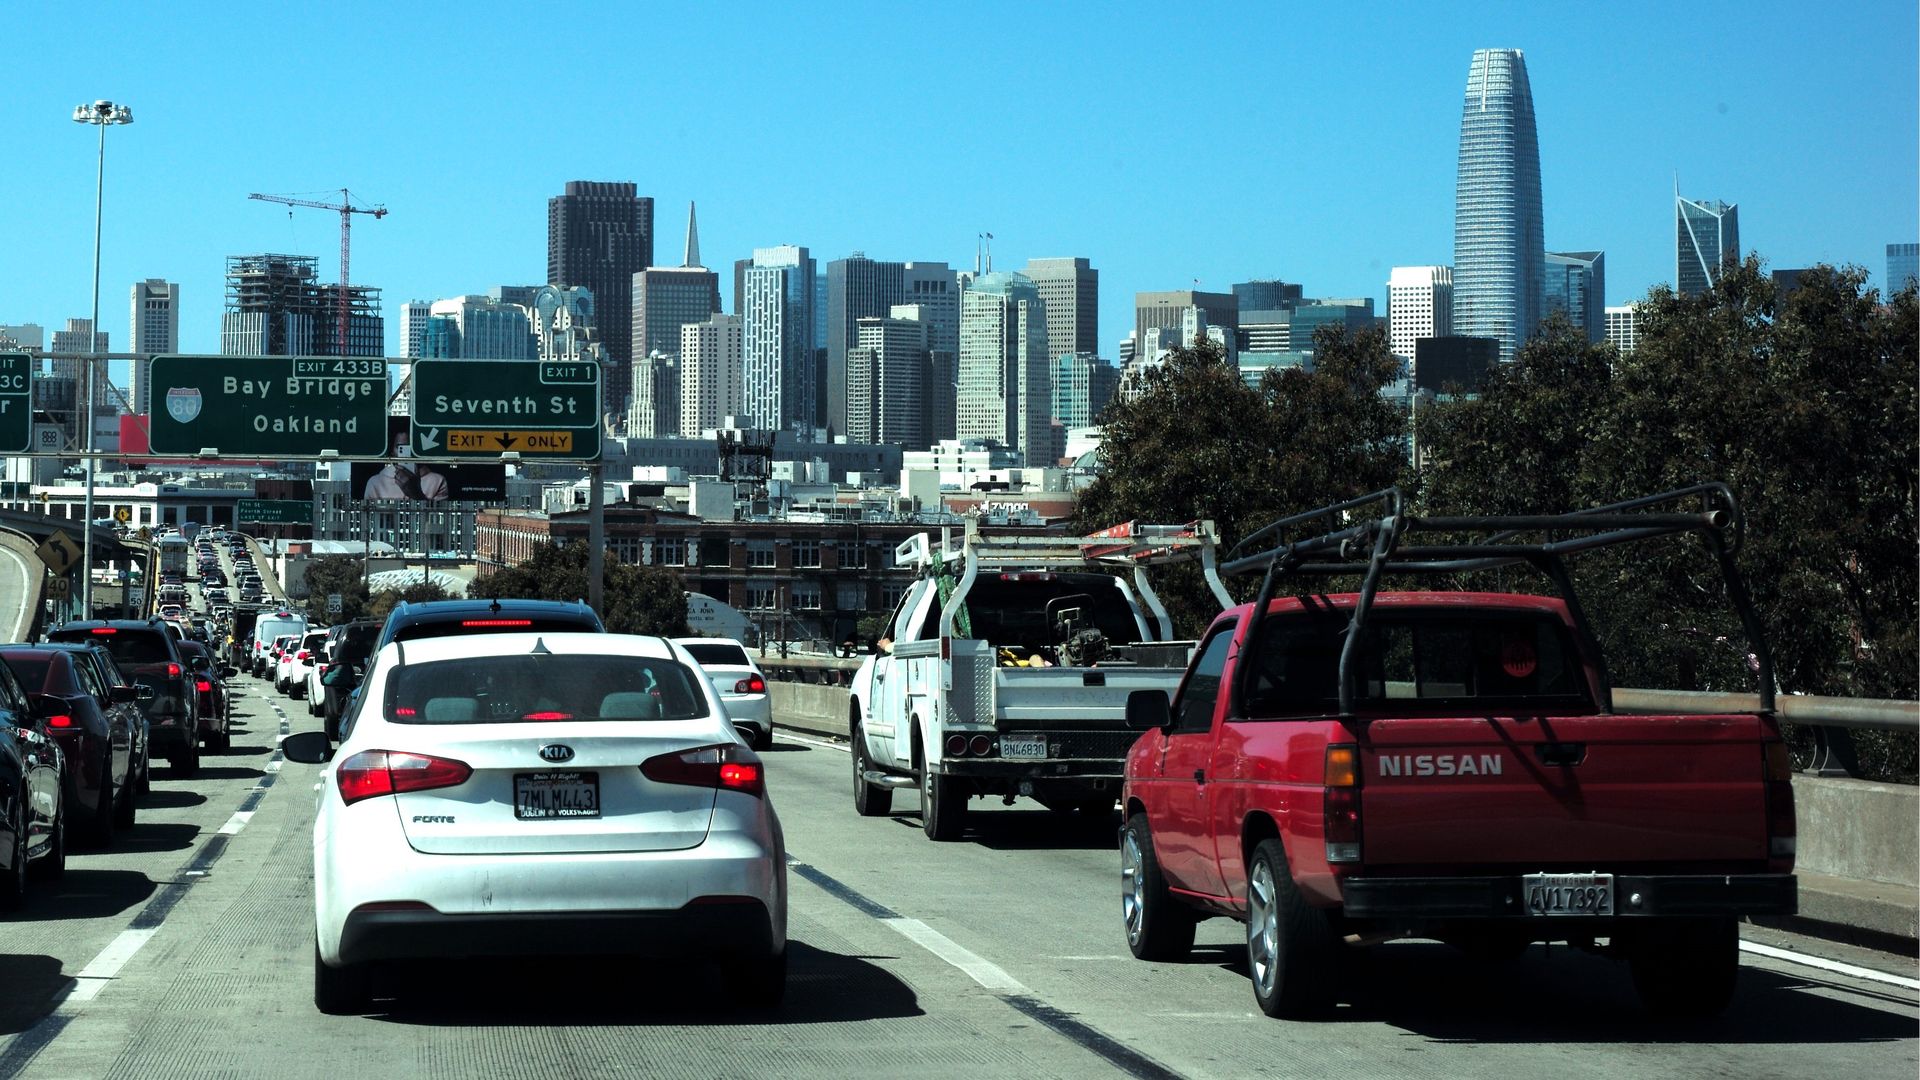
[
  {"x": 1903, "y": 267},
  {"x": 1706, "y": 235},
  {"x": 1577, "y": 286},
  {"x": 1499, "y": 246}
]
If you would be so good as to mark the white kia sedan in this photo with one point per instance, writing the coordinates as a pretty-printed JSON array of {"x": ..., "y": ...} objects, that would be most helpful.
[
  {"x": 542, "y": 794},
  {"x": 740, "y": 683}
]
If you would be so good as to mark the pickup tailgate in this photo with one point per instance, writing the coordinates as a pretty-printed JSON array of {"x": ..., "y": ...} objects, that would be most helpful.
[{"x": 1563, "y": 792}]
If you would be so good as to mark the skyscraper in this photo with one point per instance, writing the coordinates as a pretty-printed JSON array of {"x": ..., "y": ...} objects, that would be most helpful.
[
  {"x": 1903, "y": 267},
  {"x": 1577, "y": 285},
  {"x": 1499, "y": 246},
  {"x": 1706, "y": 235},
  {"x": 1623, "y": 327},
  {"x": 710, "y": 372},
  {"x": 599, "y": 235},
  {"x": 856, "y": 288},
  {"x": 1070, "y": 288},
  {"x": 666, "y": 298},
  {"x": 1419, "y": 305},
  {"x": 73, "y": 339},
  {"x": 1266, "y": 294},
  {"x": 1082, "y": 386},
  {"x": 269, "y": 305},
  {"x": 778, "y": 338},
  {"x": 884, "y": 373},
  {"x": 1005, "y": 391},
  {"x": 479, "y": 328},
  {"x": 654, "y": 410},
  {"x": 413, "y": 328},
  {"x": 1165, "y": 310},
  {"x": 155, "y": 328}
]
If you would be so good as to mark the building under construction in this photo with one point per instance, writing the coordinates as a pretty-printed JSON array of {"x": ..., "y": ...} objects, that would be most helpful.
[{"x": 276, "y": 306}]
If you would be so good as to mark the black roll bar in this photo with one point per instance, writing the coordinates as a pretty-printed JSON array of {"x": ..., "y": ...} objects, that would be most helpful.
[{"x": 1372, "y": 549}]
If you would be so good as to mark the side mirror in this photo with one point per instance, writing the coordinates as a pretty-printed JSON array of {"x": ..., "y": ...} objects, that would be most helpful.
[
  {"x": 332, "y": 676},
  {"x": 124, "y": 695},
  {"x": 307, "y": 748},
  {"x": 1148, "y": 710}
]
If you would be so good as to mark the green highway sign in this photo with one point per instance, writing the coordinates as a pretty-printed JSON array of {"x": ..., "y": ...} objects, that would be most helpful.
[
  {"x": 269, "y": 406},
  {"x": 274, "y": 511},
  {"x": 540, "y": 409},
  {"x": 16, "y": 403}
]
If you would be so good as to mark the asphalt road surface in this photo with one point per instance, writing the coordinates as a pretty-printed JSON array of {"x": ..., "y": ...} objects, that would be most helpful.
[{"x": 185, "y": 950}]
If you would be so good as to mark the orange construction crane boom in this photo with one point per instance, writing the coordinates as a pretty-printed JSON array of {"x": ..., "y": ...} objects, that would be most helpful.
[{"x": 346, "y": 209}]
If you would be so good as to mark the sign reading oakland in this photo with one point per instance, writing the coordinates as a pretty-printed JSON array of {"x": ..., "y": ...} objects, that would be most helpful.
[{"x": 269, "y": 406}]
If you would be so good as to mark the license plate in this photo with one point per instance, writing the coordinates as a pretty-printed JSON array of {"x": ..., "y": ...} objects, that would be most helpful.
[
  {"x": 1569, "y": 894},
  {"x": 538, "y": 796},
  {"x": 1023, "y": 747}
]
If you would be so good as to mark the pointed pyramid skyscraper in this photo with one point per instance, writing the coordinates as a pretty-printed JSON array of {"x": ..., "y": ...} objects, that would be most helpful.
[{"x": 693, "y": 238}]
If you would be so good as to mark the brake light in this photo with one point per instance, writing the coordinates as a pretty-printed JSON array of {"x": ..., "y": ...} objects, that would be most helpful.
[
  {"x": 753, "y": 684},
  {"x": 61, "y": 721},
  {"x": 548, "y": 716},
  {"x": 371, "y": 773},
  {"x": 496, "y": 622},
  {"x": 302, "y": 655},
  {"x": 728, "y": 766},
  {"x": 1782, "y": 831},
  {"x": 105, "y": 630},
  {"x": 1341, "y": 803},
  {"x": 173, "y": 671},
  {"x": 203, "y": 686}
]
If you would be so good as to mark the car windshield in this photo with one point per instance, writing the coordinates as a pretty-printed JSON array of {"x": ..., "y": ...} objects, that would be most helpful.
[
  {"x": 543, "y": 686},
  {"x": 127, "y": 646},
  {"x": 723, "y": 653}
]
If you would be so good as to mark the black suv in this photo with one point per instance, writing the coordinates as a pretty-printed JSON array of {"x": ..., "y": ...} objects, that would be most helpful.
[
  {"x": 349, "y": 653},
  {"x": 147, "y": 652}
]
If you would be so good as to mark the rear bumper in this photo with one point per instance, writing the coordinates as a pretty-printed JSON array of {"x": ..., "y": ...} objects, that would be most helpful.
[
  {"x": 1635, "y": 896},
  {"x": 995, "y": 768},
  {"x": 742, "y": 929}
]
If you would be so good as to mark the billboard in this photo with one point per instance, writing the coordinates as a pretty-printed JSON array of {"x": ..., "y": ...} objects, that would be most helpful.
[{"x": 401, "y": 478}]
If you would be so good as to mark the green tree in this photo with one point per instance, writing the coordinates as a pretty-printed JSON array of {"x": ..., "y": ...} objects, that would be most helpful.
[
  {"x": 419, "y": 592},
  {"x": 1191, "y": 439},
  {"x": 341, "y": 574},
  {"x": 639, "y": 599}
]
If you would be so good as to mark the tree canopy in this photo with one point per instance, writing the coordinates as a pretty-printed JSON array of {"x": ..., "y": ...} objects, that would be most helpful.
[{"x": 638, "y": 599}]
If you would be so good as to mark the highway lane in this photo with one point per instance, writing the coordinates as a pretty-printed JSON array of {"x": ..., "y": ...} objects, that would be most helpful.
[{"x": 999, "y": 956}]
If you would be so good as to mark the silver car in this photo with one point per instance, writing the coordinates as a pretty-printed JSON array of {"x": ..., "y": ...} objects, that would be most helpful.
[{"x": 740, "y": 683}]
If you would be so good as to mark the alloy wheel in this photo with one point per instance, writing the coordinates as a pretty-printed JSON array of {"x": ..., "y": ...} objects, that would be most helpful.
[
  {"x": 1132, "y": 905},
  {"x": 1263, "y": 928}
]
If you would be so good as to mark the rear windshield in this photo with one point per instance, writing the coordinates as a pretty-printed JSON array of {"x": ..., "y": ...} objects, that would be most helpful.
[
  {"x": 32, "y": 670},
  {"x": 127, "y": 646},
  {"x": 494, "y": 624},
  {"x": 720, "y": 652},
  {"x": 1441, "y": 656},
  {"x": 543, "y": 686},
  {"x": 357, "y": 644}
]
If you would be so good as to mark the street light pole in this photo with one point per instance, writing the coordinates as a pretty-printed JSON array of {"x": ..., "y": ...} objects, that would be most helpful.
[{"x": 100, "y": 114}]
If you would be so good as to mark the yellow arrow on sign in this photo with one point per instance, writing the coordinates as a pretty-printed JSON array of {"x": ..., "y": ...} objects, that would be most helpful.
[
  {"x": 494, "y": 441},
  {"x": 59, "y": 552}
]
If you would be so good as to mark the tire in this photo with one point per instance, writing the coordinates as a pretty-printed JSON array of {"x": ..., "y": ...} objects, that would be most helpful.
[
  {"x": 764, "y": 740},
  {"x": 53, "y": 865},
  {"x": 146, "y": 771},
  {"x": 757, "y": 982},
  {"x": 869, "y": 800},
  {"x": 125, "y": 809},
  {"x": 13, "y": 880},
  {"x": 99, "y": 823},
  {"x": 340, "y": 991},
  {"x": 1685, "y": 969},
  {"x": 1290, "y": 945},
  {"x": 1158, "y": 926},
  {"x": 943, "y": 806},
  {"x": 186, "y": 762}
]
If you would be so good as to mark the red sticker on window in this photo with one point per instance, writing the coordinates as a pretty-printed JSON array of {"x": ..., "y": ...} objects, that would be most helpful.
[{"x": 1519, "y": 659}]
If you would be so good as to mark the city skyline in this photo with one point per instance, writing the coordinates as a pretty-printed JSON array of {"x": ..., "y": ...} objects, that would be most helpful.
[{"x": 1309, "y": 194}]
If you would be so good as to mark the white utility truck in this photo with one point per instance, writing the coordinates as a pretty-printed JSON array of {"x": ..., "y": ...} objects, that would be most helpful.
[{"x": 1006, "y": 668}]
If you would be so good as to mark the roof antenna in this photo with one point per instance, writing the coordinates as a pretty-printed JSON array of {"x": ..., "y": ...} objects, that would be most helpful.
[
  {"x": 495, "y": 606},
  {"x": 540, "y": 648}
]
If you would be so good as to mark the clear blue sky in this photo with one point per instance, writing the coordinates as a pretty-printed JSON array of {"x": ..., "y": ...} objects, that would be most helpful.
[{"x": 1166, "y": 143}]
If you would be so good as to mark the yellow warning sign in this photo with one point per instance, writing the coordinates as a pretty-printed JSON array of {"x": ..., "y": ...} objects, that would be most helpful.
[{"x": 493, "y": 441}]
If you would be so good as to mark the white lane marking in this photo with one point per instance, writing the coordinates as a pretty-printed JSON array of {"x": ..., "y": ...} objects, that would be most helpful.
[
  {"x": 843, "y": 747},
  {"x": 274, "y": 765},
  {"x": 101, "y": 969},
  {"x": 1834, "y": 966},
  {"x": 980, "y": 969},
  {"x": 237, "y": 822}
]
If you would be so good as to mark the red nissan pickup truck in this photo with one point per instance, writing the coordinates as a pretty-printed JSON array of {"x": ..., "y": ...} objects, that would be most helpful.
[{"x": 1356, "y": 767}]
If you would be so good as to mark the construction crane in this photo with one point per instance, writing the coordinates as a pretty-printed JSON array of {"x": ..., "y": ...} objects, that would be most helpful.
[{"x": 346, "y": 210}]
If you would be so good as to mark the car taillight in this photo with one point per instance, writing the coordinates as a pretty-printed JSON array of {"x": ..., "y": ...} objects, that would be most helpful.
[
  {"x": 105, "y": 630},
  {"x": 752, "y": 684},
  {"x": 496, "y": 622},
  {"x": 727, "y": 766},
  {"x": 301, "y": 655},
  {"x": 1782, "y": 832},
  {"x": 61, "y": 721},
  {"x": 371, "y": 773},
  {"x": 203, "y": 686},
  {"x": 548, "y": 716},
  {"x": 1341, "y": 821},
  {"x": 173, "y": 671}
]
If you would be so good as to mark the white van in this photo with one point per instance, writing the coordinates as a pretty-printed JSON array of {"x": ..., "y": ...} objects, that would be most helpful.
[{"x": 270, "y": 625}]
